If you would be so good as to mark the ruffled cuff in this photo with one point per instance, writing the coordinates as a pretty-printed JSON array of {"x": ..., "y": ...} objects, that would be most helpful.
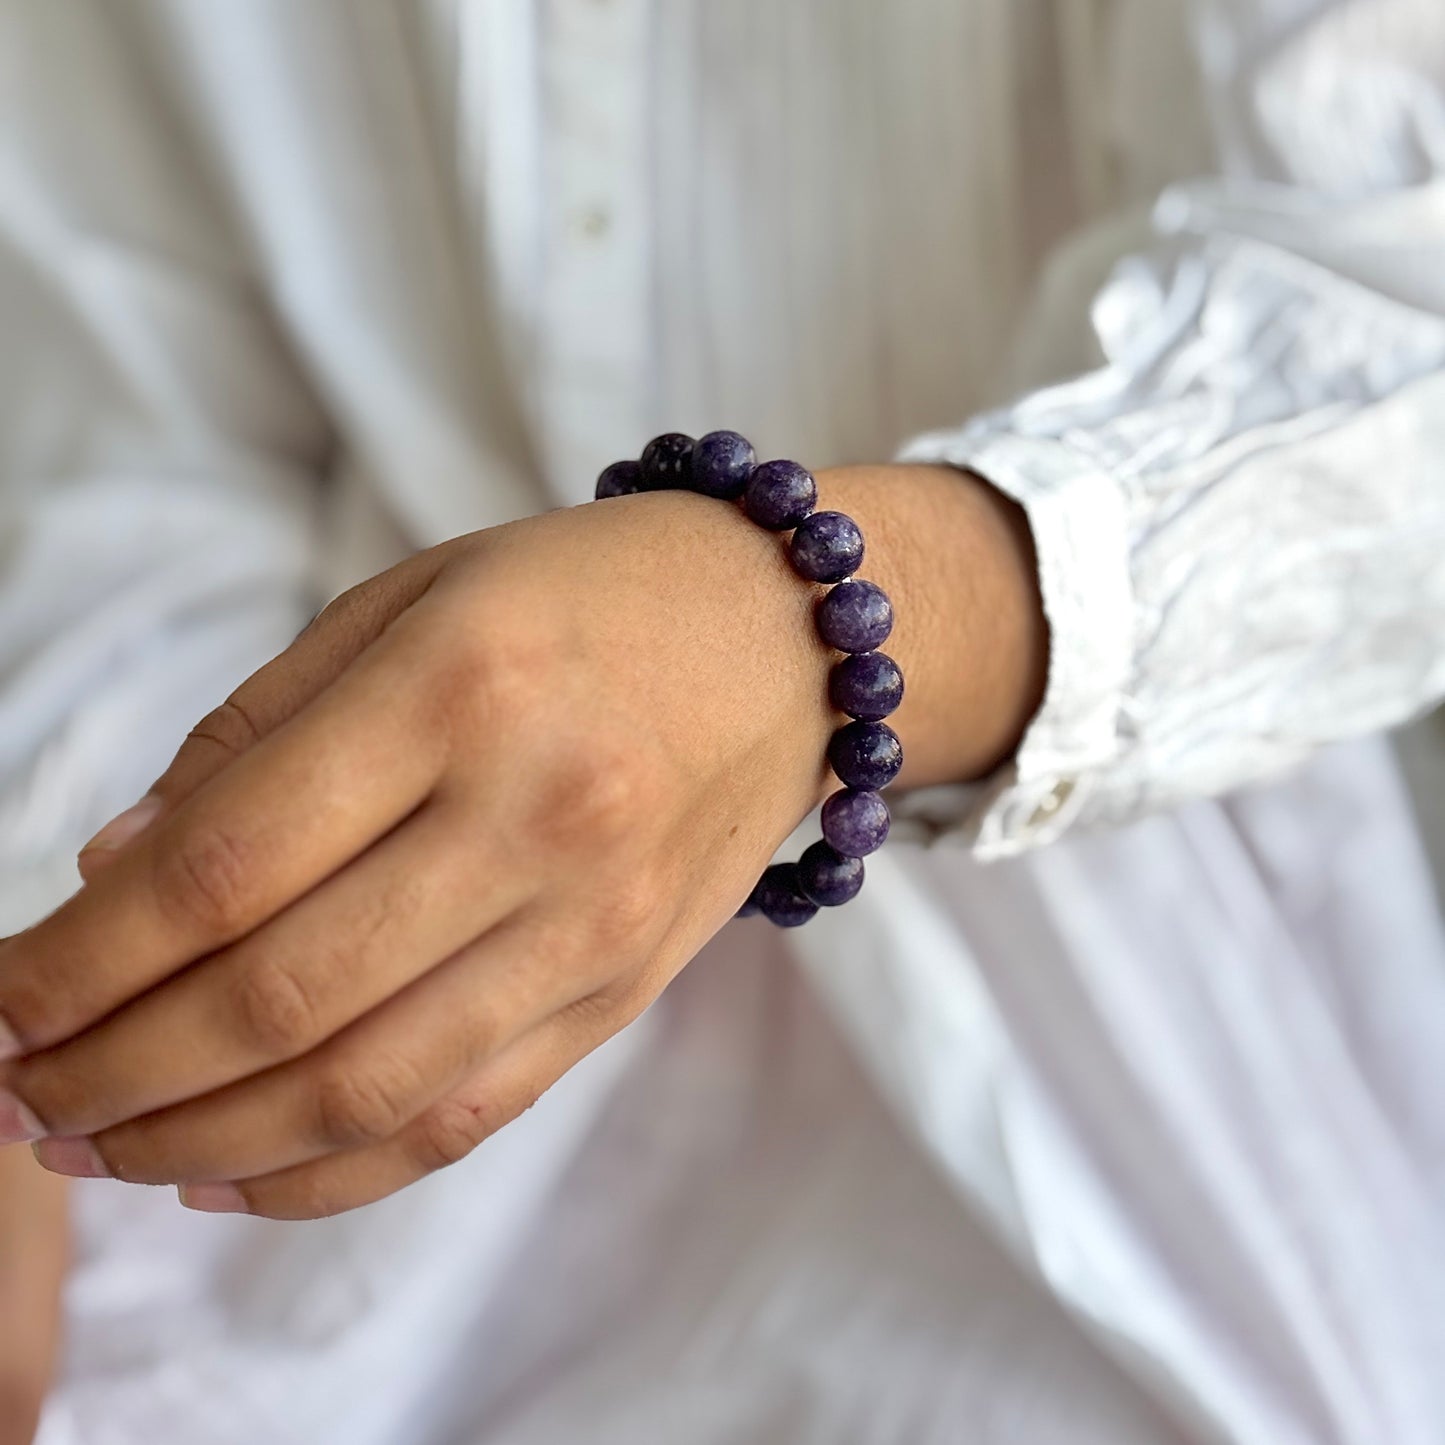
[{"x": 1077, "y": 515}]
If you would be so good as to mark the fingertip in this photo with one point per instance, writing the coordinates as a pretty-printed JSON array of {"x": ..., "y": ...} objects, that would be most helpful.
[
  {"x": 10, "y": 1045},
  {"x": 93, "y": 862},
  {"x": 74, "y": 1156},
  {"x": 121, "y": 829},
  {"x": 18, "y": 1124},
  {"x": 213, "y": 1199}
]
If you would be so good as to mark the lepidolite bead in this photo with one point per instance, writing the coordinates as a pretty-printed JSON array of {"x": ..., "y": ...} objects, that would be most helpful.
[
  {"x": 779, "y": 495},
  {"x": 722, "y": 462},
  {"x": 667, "y": 461},
  {"x": 855, "y": 617},
  {"x": 855, "y": 821},
  {"x": 827, "y": 877},
  {"x": 780, "y": 897},
  {"x": 621, "y": 479},
  {"x": 865, "y": 754},
  {"x": 867, "y": 686},
  {"x": 827, "y": 547}
]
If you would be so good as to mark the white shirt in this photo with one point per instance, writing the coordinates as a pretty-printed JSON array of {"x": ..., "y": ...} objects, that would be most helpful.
[{"x": 1158, "y": 1155}]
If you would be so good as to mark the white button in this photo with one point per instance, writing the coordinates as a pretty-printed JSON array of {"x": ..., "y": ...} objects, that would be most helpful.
[
  {"x": 595, "y": 222},
  {"x": 1051, "y": 802}
]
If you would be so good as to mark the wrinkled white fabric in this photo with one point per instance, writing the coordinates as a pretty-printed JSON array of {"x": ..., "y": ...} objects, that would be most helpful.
[
  {"x": 1250, "y": 398},
  {"x": 287, "y": 289}
]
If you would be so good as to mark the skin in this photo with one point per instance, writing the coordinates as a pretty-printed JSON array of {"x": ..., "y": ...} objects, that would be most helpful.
[
  {"x": 470, "y": 825},
  {"x": 33, "y": 1248}
]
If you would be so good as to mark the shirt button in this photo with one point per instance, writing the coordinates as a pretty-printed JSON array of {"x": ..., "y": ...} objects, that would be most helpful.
[
  {"x": 595, "y": 222},
  {"x": 1051, "y": 802}
]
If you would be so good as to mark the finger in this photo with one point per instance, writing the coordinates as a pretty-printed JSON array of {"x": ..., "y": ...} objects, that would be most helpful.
[
  {"x": 446, "y": 1133},
  {"x": 371, "y": 1081},
  {"x": 414, "y": 899},
  {"x": 259, "y": 834},
  {"x": 333, "y": 639}
]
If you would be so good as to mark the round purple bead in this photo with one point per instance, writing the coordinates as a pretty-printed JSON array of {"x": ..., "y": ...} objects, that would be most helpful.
[
  {"x": 666, "y": 462},
  {"x": 827, "y": 547},
  {"x": 749, "y": 908},
  {"x": 780, "y": 897},
  {"x": 865, "y": 754},
  {"x": 780, "y": 495},
  {"x": 855, "y": 617},
  {"x": 621, "y": 479},
  {"x": 722, "y": 462},
  {"x": 855, "y": 821},
  {"x": 827, "y": 876},
  {"x": 867, "y": 686}
]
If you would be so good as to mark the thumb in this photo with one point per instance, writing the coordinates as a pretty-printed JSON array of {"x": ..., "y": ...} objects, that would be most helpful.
[{"x": 268, "y": 698}]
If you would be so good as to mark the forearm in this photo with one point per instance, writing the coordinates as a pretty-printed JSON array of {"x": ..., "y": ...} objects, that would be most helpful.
[{"x": 956, "y": 557}]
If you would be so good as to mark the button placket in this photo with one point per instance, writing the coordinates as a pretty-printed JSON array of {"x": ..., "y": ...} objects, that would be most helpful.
[{"x": 595, "y": 343}]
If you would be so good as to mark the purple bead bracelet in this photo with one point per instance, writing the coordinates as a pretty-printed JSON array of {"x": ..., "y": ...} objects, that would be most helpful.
[{"x": 853, "y": 616}]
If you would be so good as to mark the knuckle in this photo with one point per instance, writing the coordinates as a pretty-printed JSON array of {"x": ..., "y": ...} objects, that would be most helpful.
[
  {"x": 608, "y": 798},
  {"x": 273, "y": 1010},
  {"x": 344, "y": 605},
  {"x": 356, "y": 1108},
  {"x": 489, "y": 679},
  {"x": 596, "y": 801},
  {"x": 448, "y": 1132},
  {"x": 625, "y": 916},
  {"x": 598, "y": 1015},
  {"x": 350, "y": 619},
  {"x": 203, "y": 881},
  {"x": 392, "y": 903},
  {"x": 232, "y": 726}
]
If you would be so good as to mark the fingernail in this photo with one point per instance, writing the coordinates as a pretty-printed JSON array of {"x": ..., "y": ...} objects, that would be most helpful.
[
  {"x": 74, "y": 1155},
  {"x": 9, "y": 1041},
  {"x": 17, "y": 1124},
  {"x": 125, "y": 826},
  {"x": 213, "y": 1198}
]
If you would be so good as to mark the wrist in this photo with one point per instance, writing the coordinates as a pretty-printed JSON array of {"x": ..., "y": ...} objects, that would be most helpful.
[
  {"x": 957, "y": 558},
  {"x": 952, "y": 555}
]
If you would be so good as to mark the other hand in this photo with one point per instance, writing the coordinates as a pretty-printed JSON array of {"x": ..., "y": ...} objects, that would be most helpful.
[{"x": 33, "y": 1251}]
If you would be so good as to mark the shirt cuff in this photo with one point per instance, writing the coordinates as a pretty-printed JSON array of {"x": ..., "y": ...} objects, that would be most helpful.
[{"x": 1078, "y": 518}]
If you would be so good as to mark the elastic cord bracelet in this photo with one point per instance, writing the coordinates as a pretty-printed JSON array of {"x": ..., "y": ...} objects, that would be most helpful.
[{"x": 854, "y": 617}]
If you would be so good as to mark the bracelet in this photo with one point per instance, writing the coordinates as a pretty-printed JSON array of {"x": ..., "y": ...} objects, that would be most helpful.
[{"x": 852, "y": 616}]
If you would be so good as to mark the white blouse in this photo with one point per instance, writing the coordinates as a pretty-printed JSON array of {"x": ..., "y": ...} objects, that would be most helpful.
[{"x": 286, "y": 289}]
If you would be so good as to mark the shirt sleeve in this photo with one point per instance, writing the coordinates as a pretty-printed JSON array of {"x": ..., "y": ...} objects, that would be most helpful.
[{"x": 1239, "y": 515}]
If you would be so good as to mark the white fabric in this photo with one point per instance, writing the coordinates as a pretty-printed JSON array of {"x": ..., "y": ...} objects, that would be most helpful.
[{"x": 287, "y": 288}]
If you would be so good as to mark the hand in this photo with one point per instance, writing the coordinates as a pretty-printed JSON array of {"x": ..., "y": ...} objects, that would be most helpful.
[
  {"x": 467, "y": 827},
  {"x": 33, "y": 1248}
]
